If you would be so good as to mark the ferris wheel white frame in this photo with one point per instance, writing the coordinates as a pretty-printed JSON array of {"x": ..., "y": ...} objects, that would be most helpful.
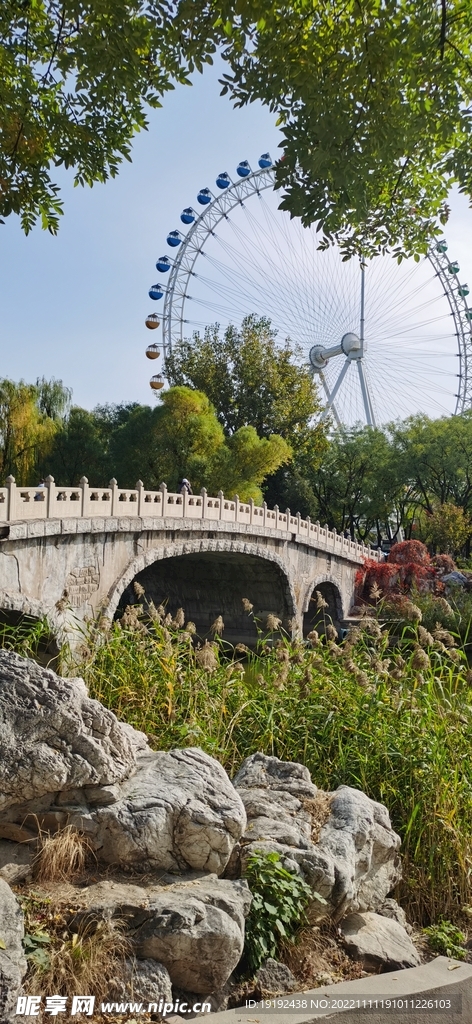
[{"x": 351, "y": 346}]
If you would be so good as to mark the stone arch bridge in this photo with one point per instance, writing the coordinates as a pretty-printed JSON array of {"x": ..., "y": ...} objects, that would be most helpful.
[{"x": 71, "y": 553}]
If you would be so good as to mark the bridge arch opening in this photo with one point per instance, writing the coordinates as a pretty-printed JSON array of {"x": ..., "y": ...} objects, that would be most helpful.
[
  {"x": 19, "y": 626},
  {"x": 211, "y": 583},
  {"x": 317, "y": 617}
]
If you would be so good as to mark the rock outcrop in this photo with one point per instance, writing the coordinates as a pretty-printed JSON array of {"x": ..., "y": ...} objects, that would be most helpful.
[
  {"x": 12, "y": 957},
  {"x": 343, "y": 842},
  {"x": 378, "y": 942},
  {"x": 53, "y": 737},
  {"x": 194, "y": 926},
  {"x": 65, "y": 759}
]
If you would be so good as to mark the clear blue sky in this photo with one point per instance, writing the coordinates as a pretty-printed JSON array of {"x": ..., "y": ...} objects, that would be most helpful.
[{"x": 73, "y": 306}]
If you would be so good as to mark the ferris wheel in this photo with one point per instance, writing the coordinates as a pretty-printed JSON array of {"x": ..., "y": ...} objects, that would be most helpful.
[{"x": 384, "y": 340}]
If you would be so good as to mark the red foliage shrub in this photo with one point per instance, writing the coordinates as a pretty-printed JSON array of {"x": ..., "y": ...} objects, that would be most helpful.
[
  {"x": 411, "y": 570},
  {"x": 409, "y": 552}
]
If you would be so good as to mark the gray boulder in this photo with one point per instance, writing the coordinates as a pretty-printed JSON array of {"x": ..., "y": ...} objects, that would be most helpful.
[
  {"x": 274, "y": 978},
  {"x": 179, "y": 811},
  {"x": 16, "y": 861},
  {"x": 378, "y": 942},
  {"x": 193, "y": 926},
  {"x": 342, "y": 843},
  {"x": 54, "y": 737},
  {"x": 143, "y": 981},
  {"x": 12, "y": 958}
]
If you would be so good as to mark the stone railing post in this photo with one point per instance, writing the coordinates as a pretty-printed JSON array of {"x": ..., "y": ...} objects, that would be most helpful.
[
  {"x": 11, "y": 487},
  {"x": 113, "y": 485},
  {"x": 203, "y": 493},
  {"x": 308, "y": 525},
  {"x": 84, "y": 484},
  {"x": 221, "y": 498},
  {"x": 163, "y": 490},
  {"x": 287, "y": 513},
  {"x": 276, "y": 510},
  {"x": 251, "y": 510},
  {"x": 264, "y": 509},
  {"x": 236, "y": 507},
  {"x": 140, "y": 503},
  {"x": 299, "y": 519},
  {"x": 50, "y": 496}
]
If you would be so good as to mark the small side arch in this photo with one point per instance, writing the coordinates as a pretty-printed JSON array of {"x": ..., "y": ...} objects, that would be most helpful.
[{"x": 317, "y": 618}]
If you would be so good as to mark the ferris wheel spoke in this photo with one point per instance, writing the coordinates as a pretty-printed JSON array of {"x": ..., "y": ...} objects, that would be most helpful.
[{"x": 244, "y": 256}]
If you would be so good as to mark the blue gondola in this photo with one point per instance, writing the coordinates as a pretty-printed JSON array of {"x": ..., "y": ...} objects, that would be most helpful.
[
  {"x": 463, "y": 290},
  {"x": 156, "y": 292},
  {"x": 204, "y": 196},
  {"x": 163, "y": 264},
  {"x": 265, "y": 160},
  {"x": 174, "y": 238},
  {"x": 223, "y": 180},
  {"x": 243, "y": 169},
  {"x": 188, "y": 215}
]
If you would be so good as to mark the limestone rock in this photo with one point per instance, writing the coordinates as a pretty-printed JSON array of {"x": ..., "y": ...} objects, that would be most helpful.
[
  {"x": 15, "y": 862},
  {"x": 54, "y": 737},
  {"x": 193, "y": 926},
  {"x": 143, "y": 981},
  {"x": 12, "y": 958},
  {"x": 274, "y": 978},
  {"x": 343, "y": 843},
  {"x": 395, "y": 912},
  {"x": 179, "y": 811},
  {"x": 378, "y": 942}
]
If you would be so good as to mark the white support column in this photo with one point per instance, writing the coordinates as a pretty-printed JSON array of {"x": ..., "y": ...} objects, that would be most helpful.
[
  {"x": 11, "y": 487},
  {"x": 50, "y": 497},
  {"x": 84, "y": 484},
  {"x": 221, "y": 498},
  {"x": 113, "y": 485},
  {"x": 251, "y": 510},
  {"x": 140, "y": 490},
  {"x": 236, "y": 507},
  {"x": 163, "y": 490},
  {"x": 204, "y": 496}
]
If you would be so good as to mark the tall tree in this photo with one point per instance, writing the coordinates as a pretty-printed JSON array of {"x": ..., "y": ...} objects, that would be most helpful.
[
  {"x": 182, "y": 437},
  {"x": 26, "y": 428}
]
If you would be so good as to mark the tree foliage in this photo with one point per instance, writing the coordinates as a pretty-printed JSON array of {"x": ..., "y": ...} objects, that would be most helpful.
[
  {"x": 374, "y": 99},
  {"x": 77, "y": 77}
]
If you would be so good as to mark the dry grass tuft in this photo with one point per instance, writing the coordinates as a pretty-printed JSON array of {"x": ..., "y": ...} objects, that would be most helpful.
[
  {"x": 319, "y": 809},
  {"x": 61, "y": 856},
  {"x": 316, "y": 958},
  {"x": 89, "y": 961}
]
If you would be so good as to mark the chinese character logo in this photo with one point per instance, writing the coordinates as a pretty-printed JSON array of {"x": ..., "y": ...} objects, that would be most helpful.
[
  {"x": 83, "y": 1004},
  {"x": 28, "y": 1006},
  {"x": 55, "y": 1005}
]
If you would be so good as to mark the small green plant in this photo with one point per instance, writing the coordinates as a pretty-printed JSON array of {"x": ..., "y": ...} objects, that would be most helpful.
[
  {"x": 277, "y": 909},
  {"x": 36, "y": 953},
  {"x": 446, "y": 939}
]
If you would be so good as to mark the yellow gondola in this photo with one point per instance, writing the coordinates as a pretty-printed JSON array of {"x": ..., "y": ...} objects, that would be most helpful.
[
  {"x": 156, "y": 382},
  {"x": 152, "y": 352},
  {"x": 152, "y": 321}
]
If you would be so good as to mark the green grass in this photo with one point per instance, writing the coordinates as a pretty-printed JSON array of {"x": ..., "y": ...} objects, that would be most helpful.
[{"x": 398, "y": 728}]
